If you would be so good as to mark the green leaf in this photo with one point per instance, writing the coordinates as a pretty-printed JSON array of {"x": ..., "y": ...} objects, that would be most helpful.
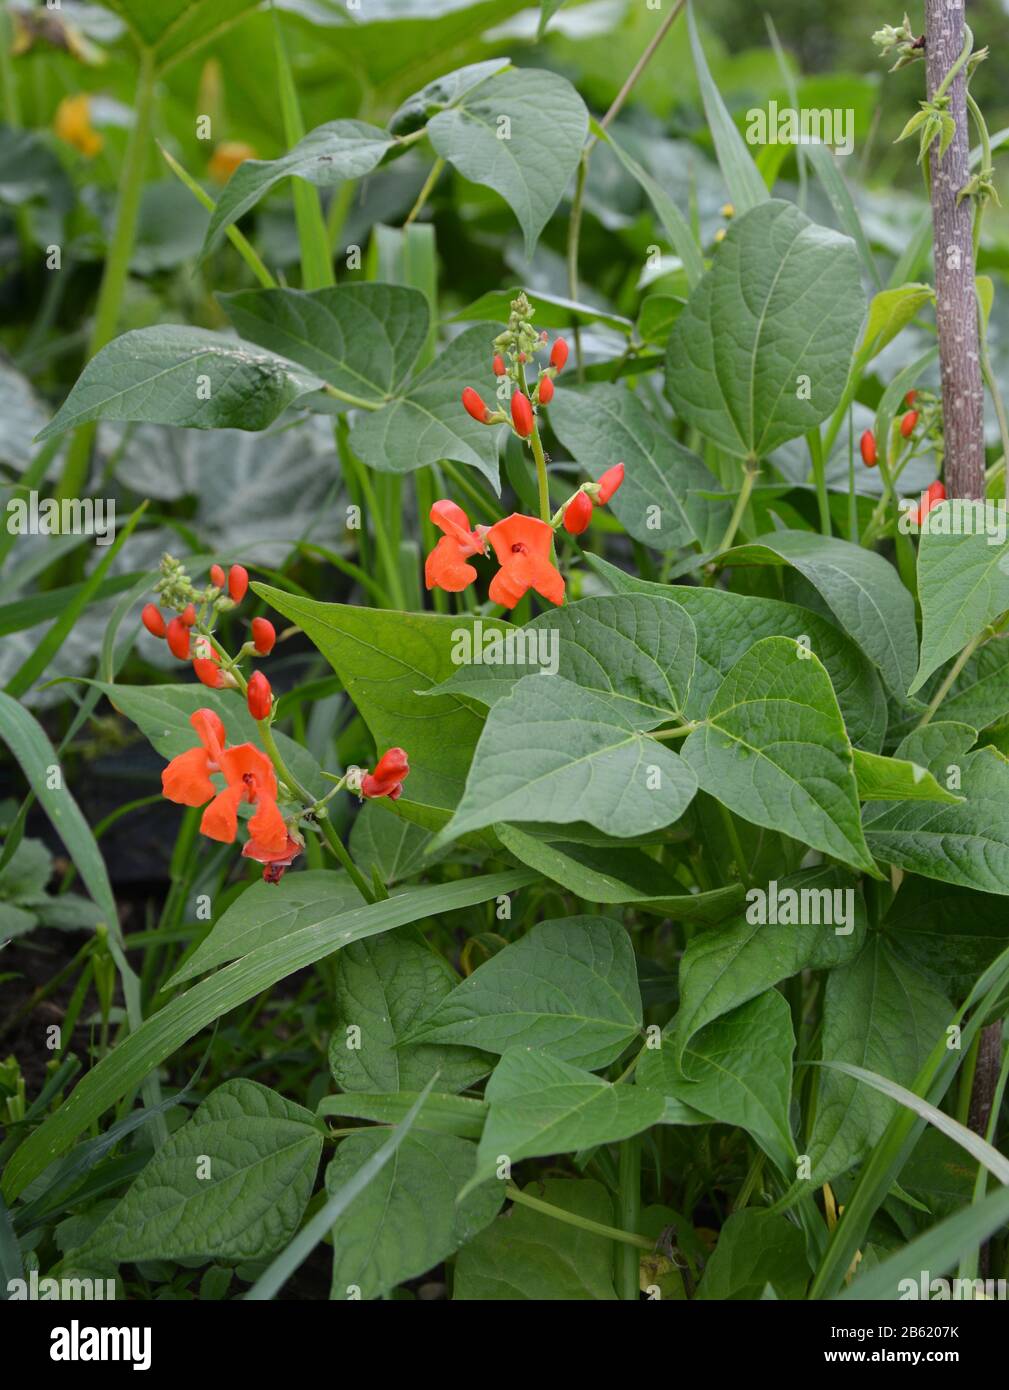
[
  {"x": 551, "y": 310},
  {"x": 949, "y": 934},
  {"x": 737, "y": 1071},
  {"x": 635, "y": 650},
  {"x": 825, "y": 165},
  {"x": 172, "y": 375},
  {"x": 136, "y": 1056},
  {"x": 520, "y": 133},
  {"x": 268, "y": 912},
  {"x": 895, "y": 779},
  {"x": 174, "y": 28},
  {"x": 963, "y": 585},
  {"x": 551, "y": 751},
  {"x": 774, "y": 939},
  {"x": 529, "y": 1255},
  {"x": 756, "y": 1248},
  {"x": 890, "y": 312},
  {"x": 775, "y": 751},
  {"x": 746, "y": 187},
  {"x": 779, "y": 310},
  {"x": 414, "y": 113},
  {"x": 408, "y": 1220},
  {"x": 383, "y": 658},
  {"x": 231, "y": 1184},
  {"x": 382, "y": 842},
  {"x": 980, "y": 694},
  {"x": 605, "y": 424},
  {"x": 616, "y": 874},
  {"x": 440, "y": 1113},
  {"x": 657, "y": 315},
  {"x": 862, "y": 590},
  {"x": 387, "y": 990},
  {"x": 540, "y": 1105},
  {"x": 426, "y": 422},
  {"x": 568, "y": 988},
  {"x": 362, "y": 339},
  {"x": 326, "y": 157},
  {"x": 878, "y": 1013}
]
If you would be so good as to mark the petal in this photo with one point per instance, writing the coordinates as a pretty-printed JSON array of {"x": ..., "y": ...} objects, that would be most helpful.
[
  {"x": 528, "y": 533},
  {"x": 255, "y": 849},
  {"x": 450, "y": 518},
  {"x": 186, "y": 779},
  {"x": 210, "y": 731},
  {"x": 506, "y": 587},
  {"x": 393, "y": 765},
  {"x": 267, "y": 826},
  {"x": 446, "y": 567},
  {"x": 246, "y": 760},
  {"x": 546, "y": 580},
  {"x": 220, "y": 819}
]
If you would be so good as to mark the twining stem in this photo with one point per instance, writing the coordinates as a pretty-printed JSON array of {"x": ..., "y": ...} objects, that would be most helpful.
[
  {"x": 425, "y": 192},
  {"x": 117, "y": 264},
  {"x": 742, "y": 501},
  {"x": 241, "y": 243},
  {"x": 628, "y": 1261},
  {"x": 571, "y": 1218}
]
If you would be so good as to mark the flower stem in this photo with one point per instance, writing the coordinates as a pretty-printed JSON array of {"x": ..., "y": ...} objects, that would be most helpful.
[
  {"x": 341, "y": 852},
  {"x": 539, "y": 456}
]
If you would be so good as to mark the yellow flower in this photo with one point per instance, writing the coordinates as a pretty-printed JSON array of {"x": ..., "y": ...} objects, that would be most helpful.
[
  {"x": 227, "y": 157},
  {"x": 72, "y": 123}
]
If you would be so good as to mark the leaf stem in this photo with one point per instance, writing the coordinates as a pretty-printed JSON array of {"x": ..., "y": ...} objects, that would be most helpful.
[
  {"x": 241, "y": 243},
  {"x": 425, "y": 192},
  {"x": 570, "y": 1218},
  {"x": 742, "y": 501}
]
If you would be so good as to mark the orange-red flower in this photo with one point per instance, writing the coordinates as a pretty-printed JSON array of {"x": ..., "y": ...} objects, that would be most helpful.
[
  {"x": 248, "y": 776},
  {"x": 446, "y": 566},
  {"x": 391, "y": 771},
  {"x": 523, "y": 545},
  {"x": 274, "y": 861}
]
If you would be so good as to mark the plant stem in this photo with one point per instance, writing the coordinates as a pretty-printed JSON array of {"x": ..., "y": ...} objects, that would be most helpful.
[
  {"x": 820, "y": 478},
  {"x": 539, "y": 456},
  {"x": 241, "y": 243},
  {"x": 394, "y": 583},
  {"x": 117, "y": 264},
  {"x": 742, "y": 501},
  {"x": 358, "y": 402},
  {"x": 570, "y": 1218},
  {"x": 425, "y": 192},
  {"x": 628, "y": 1261},
  {"x": 951, "y": 676},
  {"x": 342, "y": 853}
]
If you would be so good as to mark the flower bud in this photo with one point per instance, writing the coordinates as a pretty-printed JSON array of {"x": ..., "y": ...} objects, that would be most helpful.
[
  {"x": 152, "y": 620},
  {"x": 867, "y": 444},
  {"x": 908, "y": 423},
  {"x": 474, "y": 406},
  {"x": 609, "y": 483},
  {"x": 217, "y": 577},
  {"x": 546, "y": 391},
  {"x": 238, "y": 582},
  {"x": 177, "y": 635},
  {"x": 188, "y": 614},
  {"x": 522, "y": 414},
  {"x": 208, "y": 672},
  {"x": 578, "y": 514},
  {"x": 910, "y": 397},
  {"x": 559, "y": 354},
  {"x": 498, "y": 365},
  {"x": 264, "y": 635},
  {"x": 259, "y": 696}
]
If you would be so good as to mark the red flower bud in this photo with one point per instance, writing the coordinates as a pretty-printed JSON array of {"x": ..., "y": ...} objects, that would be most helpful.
[
  {"x": 867, "y": 444},
  {"x": 546, "y": 390},
  {"x": 387, "y": 779},
  {"x": 498, "y": 365},
  {"x": 264, "y": 634},
  {"x": 910, "y": 397},
  {"x": 937, "y": 491},
  {"x": 217, "y": 576},
  {"x": 522, "y": 414},
  {"x": 908, "y": 423},
  {"x": 474, "y": 406},
  {"x": 178, "y": 639},
  {"x": 208, "y": 672},
  {"x": 259, "y": 696},
  {"x": 609, "y": 483},
  {"x": 559, "y": 354},
  {"x": 238, "y": 582},
  {"x": 577, "y": 514},
  {"x": 152, "y": 620},
  {"x": 188, "y": 615}
]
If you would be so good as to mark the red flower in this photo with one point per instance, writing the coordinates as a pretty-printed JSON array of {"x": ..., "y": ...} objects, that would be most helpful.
[
  {"x": 238, "y": 582},
  {"x": 473, "y": 405},
  {"x": 259, "y": 696},
  {"x": 152, "y": 620},
  {"x": 522, "y": 414},
  {"x": 609, "y": 483},
  {"x": 936, "y": 492},
  {"x": 867, "y": 444},
  {"x": 178, "y": 639},
  {"x": 546, "y": 391},
  {"x": 559, "y": 354},
  {"x": 390, "y": 772},
  {"x": 446, "y": 567},
  {"x": 274, "y": 862},
  {"x": 578, "y": 514},
  {"x": 208, "y": 672},
  {"x": 248, "y": 775},
  {"x": 523, "y": 545},
  {"x": 264, "y": 635}
]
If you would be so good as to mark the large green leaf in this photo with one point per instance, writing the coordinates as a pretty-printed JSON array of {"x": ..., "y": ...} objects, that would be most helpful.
[
  {"x": 408, "y": 1219},
  {"x": 963, "y": 584},
  {"x": 327, "y": 156},
  {"x": 635, "y": 650},
  {"x": 947, "y": 933},
  {"x": 362, "y": 339},
  {"x": 723, "y": 968},
  {"x": 174, "y": 28},
  {"x": 881, "y": 1014},
  {"x": 122, "y": 1070},
  {"x": 440, "y": 1112},
  {"x": 605, "y": 424},
  {"x": 728, "y": 624},
  {"x": 520, "y": 133},
  {"x": 756, "y": 1248},
  {"x": 980, "y": 694},
  {"x": 774, "y": 750},
  {"x": 737, "y": 1070},
  {"x": 761, "y": 352},
  {"x": 568, "y": 988},
  {"x": 551, "y": 751},
  {"x": 383, "y": 658},
  {"x": 387, "y": 989},
  {"x": 897, "y": 779},
  {"x": 173, "y": 375},
  {"x": 539, "y": 1105},
  {"x": 426, "y": 422},
  {"x": 862, "y": 590},
  {"x": 231, "y": 1184},
  {"x": 530, "y": 1255}
]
